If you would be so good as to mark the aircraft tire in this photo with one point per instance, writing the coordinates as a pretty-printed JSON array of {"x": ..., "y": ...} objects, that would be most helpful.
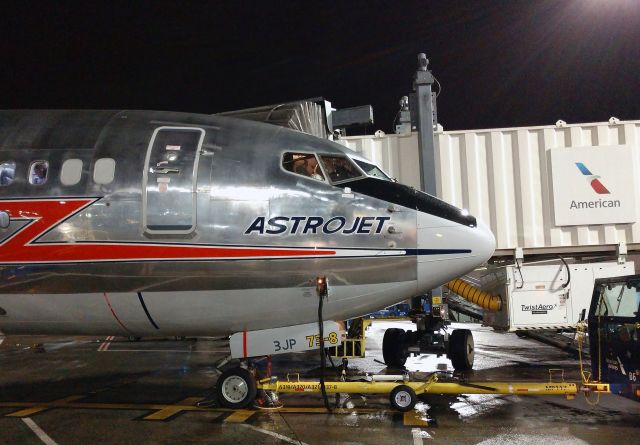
[
  {"x": 461, "y": 349},
  {"x": 393, "y": 348},
  {"x": 403, "y": 398},
  {"x": 236, "y": 388}
]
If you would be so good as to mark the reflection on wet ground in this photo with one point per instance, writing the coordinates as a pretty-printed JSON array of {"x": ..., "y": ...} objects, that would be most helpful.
[{"x": 116, "y": 391}]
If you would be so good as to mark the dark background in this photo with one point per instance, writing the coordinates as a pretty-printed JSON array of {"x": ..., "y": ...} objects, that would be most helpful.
[{"x": 500, "y": 63}]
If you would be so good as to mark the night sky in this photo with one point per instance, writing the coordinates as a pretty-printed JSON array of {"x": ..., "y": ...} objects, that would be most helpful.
[{"x": 500, "y": 63}]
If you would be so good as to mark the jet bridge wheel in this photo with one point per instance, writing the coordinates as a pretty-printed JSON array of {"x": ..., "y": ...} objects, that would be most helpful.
[
  {"x": 394, "y": 350},
  {"x": 461, "y": 349},
  {"x": 236, "y": 388}
]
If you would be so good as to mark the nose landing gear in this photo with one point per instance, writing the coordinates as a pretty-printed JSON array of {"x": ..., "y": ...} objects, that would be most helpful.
[{"x": 430, "y": 317}]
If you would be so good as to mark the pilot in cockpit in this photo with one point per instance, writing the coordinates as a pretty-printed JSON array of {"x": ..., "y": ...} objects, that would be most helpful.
[
  {"x": 311, "y": 168},
  {"x": 306, "y": 165}
]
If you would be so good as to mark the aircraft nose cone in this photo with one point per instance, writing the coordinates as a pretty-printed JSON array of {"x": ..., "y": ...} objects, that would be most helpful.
[
  {"x": 453, "y": 251},
  {"x": 485, "y": 243}
]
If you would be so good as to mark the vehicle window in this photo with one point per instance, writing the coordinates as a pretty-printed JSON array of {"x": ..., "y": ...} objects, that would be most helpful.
[
  {"x": 339, "y": 168},
  {"x": 372, "y": 170},
  {"x": 7, "y": 172},
  {"x": 619, "y": 301},
  {"x": 38, "y": 172},
  {"x": 71, "y": 171},
  {"x": 104, "y": 171},
  {"x": 304, "y": 164}
]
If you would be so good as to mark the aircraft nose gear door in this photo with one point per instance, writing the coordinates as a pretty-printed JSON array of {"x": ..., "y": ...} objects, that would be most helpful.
[{"x": 170, "y": 176}]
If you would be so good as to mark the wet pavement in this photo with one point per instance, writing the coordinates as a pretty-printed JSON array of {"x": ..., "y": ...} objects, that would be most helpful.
[{"x": 81, "y": 390}]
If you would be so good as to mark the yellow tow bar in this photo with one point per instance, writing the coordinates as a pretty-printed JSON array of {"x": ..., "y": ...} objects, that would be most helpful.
[{"x": 404, "y": 392}]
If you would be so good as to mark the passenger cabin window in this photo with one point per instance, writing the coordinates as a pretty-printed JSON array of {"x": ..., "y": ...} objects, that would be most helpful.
[
  {"x": 372, "y": 170},
  {"x": 339, "y": 168},
  {"x": 71, "y": 172},
  {"x": 38, "y": 172},
  {"x": 104, "y": 171},
  {"x": 7, "y": 172},
  {"x": 304, "y": 164}
]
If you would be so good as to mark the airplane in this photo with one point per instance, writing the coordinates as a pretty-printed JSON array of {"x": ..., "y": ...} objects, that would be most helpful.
[{"x": 149, "y": 223}]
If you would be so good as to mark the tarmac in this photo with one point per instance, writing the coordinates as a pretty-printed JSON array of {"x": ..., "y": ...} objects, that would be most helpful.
[{"x": 87, "y": 390}]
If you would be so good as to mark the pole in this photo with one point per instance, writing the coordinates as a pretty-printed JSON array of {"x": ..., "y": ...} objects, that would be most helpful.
[{"x": 422, "y": 83}]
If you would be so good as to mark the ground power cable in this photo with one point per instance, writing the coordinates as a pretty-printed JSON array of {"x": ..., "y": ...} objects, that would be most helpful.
[{"x": 323, "y": 358}]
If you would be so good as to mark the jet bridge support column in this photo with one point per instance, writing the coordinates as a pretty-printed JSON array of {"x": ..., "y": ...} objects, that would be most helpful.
[{"x": 423, "y": 107}]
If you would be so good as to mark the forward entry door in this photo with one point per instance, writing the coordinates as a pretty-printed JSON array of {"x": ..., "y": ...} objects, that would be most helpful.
[{"x": 170, "y": 178}]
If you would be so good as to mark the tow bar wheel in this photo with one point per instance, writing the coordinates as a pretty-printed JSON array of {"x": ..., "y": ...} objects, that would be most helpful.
[
  {"x": 236, "y": 388},
  {"x": 403, "y": 398}
]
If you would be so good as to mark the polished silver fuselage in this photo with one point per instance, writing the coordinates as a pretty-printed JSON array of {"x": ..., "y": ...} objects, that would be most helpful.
[{"x": 237, "y": 177}]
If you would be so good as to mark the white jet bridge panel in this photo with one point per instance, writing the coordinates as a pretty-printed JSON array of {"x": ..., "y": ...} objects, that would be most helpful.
[{"x": 503, "y": 177}]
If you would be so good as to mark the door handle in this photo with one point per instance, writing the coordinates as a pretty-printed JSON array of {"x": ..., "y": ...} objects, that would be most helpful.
[{"x": 164, "y": 170}]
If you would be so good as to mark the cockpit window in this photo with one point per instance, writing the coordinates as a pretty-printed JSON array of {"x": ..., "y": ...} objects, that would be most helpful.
[
  {"x": 339, "y": 168},
  {"x": 38, "y": 172},
  {"x": 372, "y": 170},
  {"x": 304, "y": 164}
]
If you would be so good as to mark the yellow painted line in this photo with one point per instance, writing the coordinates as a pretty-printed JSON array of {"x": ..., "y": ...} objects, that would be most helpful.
[
  {"x": 35, "y": 408},
  {"x": 187, "y": 404},
  {"x": 415, "y": 418},
  {"x": 239, "y": 416},
  {"x": 159, "y": 412},
  {"x": 114, "y": 406},
  {"x": 164, "y": 414},
  {"x": 28, "y": 412}
]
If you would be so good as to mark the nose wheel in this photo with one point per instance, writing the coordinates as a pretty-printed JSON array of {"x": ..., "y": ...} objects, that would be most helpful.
[
  {"x": 394, "y": 350},
  {"x": 461, "y": 349}
]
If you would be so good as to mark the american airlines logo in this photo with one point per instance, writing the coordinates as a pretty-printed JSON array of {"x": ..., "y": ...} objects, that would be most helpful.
[
  {"x": 598, "y": 187},
  {"x": 594, "y": 180},
  {"x": 593, "y": 185}
]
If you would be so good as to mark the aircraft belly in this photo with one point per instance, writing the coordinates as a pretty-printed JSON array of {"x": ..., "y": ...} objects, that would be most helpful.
[
  {"x": 190, "y": 312},
  {"x": 57, "y": 314}
]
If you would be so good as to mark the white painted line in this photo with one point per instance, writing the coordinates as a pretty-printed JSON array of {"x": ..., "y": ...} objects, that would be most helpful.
[
  {"x": 44, "y": 437},
  {"x": 418, "y": 435},
  {"x": 276, "y": 435},
  {"x": 106, "y": 343}
]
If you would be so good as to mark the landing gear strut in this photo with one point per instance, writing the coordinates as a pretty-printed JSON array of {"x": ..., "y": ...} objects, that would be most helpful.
[{"x": 430, "y": 316}]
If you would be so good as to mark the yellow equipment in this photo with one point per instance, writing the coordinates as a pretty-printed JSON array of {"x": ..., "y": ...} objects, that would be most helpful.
[
  {"x": 476, "y": 296},
  {"x": 404, "y": 391}
]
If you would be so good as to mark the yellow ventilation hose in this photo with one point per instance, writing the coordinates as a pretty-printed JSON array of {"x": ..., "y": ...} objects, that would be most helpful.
[{"x": 476, "y": 296}]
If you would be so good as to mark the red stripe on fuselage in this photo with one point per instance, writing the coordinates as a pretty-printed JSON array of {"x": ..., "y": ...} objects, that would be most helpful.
[{"x": 44, "y": 215}]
